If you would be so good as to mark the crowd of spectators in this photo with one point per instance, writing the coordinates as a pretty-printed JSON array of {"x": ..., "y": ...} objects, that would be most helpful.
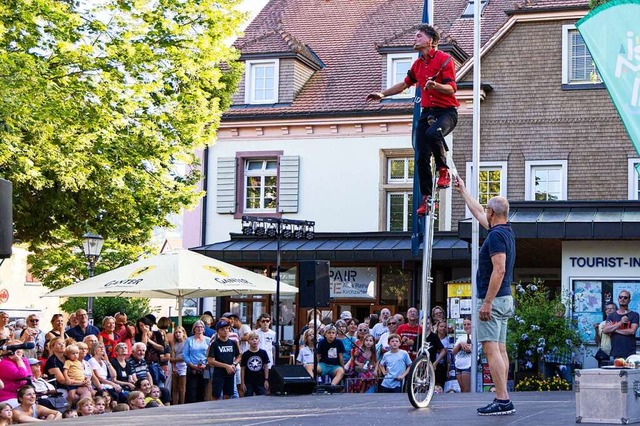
[{"x": 77, "y": 369}]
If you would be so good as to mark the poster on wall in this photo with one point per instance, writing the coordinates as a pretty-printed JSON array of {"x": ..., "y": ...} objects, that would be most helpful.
[
  {"x": 587, "y": 296},
  {"x": 352, "y": 283}
]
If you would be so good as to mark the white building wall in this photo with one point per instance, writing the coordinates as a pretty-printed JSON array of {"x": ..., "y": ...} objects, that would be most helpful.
[{"x": 339, "y": 180}]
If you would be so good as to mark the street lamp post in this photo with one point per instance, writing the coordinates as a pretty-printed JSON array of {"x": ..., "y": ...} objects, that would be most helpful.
[
  {"x": 278, "y": 228},
  {"x": 91, "y": 246}
]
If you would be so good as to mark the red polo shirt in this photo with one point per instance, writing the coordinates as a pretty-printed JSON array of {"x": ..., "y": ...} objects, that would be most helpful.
[{"x": 427, "y": 67}]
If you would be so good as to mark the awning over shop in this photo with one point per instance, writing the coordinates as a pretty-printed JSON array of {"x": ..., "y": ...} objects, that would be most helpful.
[
  {"x": 340, "y": 247},
  {"x": 570, "y": 220}
]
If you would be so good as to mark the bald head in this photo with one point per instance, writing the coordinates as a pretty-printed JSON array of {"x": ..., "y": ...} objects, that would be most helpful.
[{"x": 500, "y": 206}]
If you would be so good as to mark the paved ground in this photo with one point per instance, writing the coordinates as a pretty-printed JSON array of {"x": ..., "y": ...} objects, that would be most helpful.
[{"x": 533, "y": 408}]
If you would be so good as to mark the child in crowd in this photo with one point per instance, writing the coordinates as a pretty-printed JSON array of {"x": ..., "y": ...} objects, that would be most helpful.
[
  {"x": 121, "y": 407},
  {"x": 223, "y": 356},
  {"x": 330, "y": 352},
  {"x": 70, "y": 414},
  {"x": 154, "y": 396},
  {"x": 267, "y": 336},
  {"x": 73, "y": 370},
  {"x": 306, "y": 354},
  {"x": 109, "y": 403},
  {"x": 100, "y": 405},
  {"x": 179, "y": 379},
  {"x": 86, "y": 407},
  {"x": 365, "y": 365},
  {"x": 254, "y": 364},
  {"x": 6, "y": 414},
  {"x": 135, "y": 400},
  {"x": 395, "y": 366}
]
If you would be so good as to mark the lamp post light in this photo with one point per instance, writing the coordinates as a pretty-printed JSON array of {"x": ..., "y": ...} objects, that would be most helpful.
[
  {"x": 91, "y": 246},
  {"x": 278, "y": 228}
]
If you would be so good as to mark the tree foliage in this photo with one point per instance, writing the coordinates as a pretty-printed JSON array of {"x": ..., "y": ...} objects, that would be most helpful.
[
  {"x": 101, "y": 102},
  {"x": 595, "y": 3},
  {"x": 539, "y": 326},
  {"x": 103, "y": 306}
]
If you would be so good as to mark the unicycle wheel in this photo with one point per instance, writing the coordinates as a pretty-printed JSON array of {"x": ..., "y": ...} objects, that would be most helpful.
[{"x": 422, "y": 382}]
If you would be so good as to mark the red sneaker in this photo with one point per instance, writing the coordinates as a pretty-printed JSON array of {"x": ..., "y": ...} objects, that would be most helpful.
[
  {"x": 444, "y": 180},
  {"x": 423, "y": 210}
]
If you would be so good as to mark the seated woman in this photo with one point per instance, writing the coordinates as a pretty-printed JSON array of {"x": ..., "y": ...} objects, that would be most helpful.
[
  {"x": 122, "y": 377},
  {"x": 103, "y": 370},
  {"x": 55, "y": 363},
  {"x": 108, "y": 336},
  {"x": 57, "y": 330},
  {"x": 144, "y": 386},
  {"x": 14, "y": 370},
  {"x": 135, "y": 400},
  {"x": 29, "y": 410}
]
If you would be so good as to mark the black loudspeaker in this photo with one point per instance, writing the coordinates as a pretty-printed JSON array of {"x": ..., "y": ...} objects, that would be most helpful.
[
  {"x": 314, "y": 284},
  {"x": 290, "y": 380},
  {"x": 6, "y": 218}
]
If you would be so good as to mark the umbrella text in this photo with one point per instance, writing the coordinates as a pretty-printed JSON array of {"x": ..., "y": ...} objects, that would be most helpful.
[{"x": 123, "y": 283}]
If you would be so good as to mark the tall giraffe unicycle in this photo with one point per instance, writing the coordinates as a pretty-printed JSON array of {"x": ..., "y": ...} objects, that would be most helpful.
[{"x": 422, "y": 376}]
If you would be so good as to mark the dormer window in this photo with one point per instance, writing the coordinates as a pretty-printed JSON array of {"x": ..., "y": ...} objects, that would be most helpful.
[
  {"x": 468, "y": 11},
  {"x": 397, "y": 66},
  {"x": 261, "y": 81}
]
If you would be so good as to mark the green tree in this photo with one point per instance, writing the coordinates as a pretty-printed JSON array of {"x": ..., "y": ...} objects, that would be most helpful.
[
  {"x": 104, "y": 306},
  {"x": 104, "y": 105},
  {"x": 595, "y": 3}
]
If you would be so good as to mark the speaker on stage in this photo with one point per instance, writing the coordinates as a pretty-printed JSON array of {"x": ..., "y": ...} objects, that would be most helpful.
[
  {"x": 290, "y": 380},
  {"x": 314, "y": 284},
  {"x": 6, "y": 219}
]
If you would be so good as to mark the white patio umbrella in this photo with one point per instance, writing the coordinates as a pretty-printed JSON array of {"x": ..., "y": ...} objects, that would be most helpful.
[{"x": 175, "y": 274}]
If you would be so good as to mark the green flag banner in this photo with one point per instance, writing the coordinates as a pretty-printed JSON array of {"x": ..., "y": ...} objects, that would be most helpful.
[{"x": 612, "y": 35}]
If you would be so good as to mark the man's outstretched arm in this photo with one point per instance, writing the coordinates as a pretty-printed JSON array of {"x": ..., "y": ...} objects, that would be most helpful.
[{"x": 390, "y": 91}]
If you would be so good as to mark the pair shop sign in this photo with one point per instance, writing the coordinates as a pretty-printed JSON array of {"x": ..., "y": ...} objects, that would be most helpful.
[{"x": 352, "y": 283}]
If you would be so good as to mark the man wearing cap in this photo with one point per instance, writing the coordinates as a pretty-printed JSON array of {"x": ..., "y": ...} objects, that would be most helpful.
[
  {"x": 224, "y": 357},
  {"x": 41, "y": 386},
  {"x": 345, "y": 315},
  {"x": 267, "y": 336}
]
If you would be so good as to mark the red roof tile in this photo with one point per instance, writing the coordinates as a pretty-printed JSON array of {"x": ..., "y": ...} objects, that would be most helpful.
[{"x": 549, "y": 4}]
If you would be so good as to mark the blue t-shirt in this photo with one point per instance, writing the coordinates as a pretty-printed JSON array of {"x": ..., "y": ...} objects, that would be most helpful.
[
  {"x": 395, "y": 363},
  {"x": 501, "y": 239}
]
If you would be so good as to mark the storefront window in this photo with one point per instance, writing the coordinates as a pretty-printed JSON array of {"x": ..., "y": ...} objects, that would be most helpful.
[
  {"x": 590, "y": 297},
  {"x": 395, "y": 283}
]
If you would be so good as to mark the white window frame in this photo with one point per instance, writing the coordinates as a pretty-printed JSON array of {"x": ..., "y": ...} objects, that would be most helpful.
[
  {"x": 249, "y": 81},
  {"x": 406, "y": 180},
  {"x": 633, "y": 178},
  {"x": 391, "y": 58},
  {"x": 406, "y": 224},
  {"x": 529, "y": 186},
  {"x": 566, "y": 58},
  {"x": 489, "y": 165},
  {"x": 263, "y": 173}
]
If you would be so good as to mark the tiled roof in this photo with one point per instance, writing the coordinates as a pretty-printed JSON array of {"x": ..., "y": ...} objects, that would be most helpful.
[
  {"x": 345, "y": 36},
  {"x": 549, "y": 4}
]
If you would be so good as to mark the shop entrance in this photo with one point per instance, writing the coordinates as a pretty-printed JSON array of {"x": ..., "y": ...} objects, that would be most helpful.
[{"x": 359, "y": 312}]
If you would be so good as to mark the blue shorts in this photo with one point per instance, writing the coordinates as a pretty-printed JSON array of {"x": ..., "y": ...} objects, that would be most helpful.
[{"x": 328, "y": 369}]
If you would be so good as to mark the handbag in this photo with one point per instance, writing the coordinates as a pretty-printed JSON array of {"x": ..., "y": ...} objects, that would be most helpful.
[{"x": 601, "y": 356}]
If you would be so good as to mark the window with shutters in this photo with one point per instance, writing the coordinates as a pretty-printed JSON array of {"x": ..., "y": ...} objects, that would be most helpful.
[{"x": 257, "y": 183}]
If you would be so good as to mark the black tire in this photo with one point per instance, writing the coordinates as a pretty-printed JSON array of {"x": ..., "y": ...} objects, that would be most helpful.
[{"x": 421, "y": 382}]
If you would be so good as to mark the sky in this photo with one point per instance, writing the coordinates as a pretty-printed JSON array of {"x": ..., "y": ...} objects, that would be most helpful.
[{"x": 253, "y": 6}]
